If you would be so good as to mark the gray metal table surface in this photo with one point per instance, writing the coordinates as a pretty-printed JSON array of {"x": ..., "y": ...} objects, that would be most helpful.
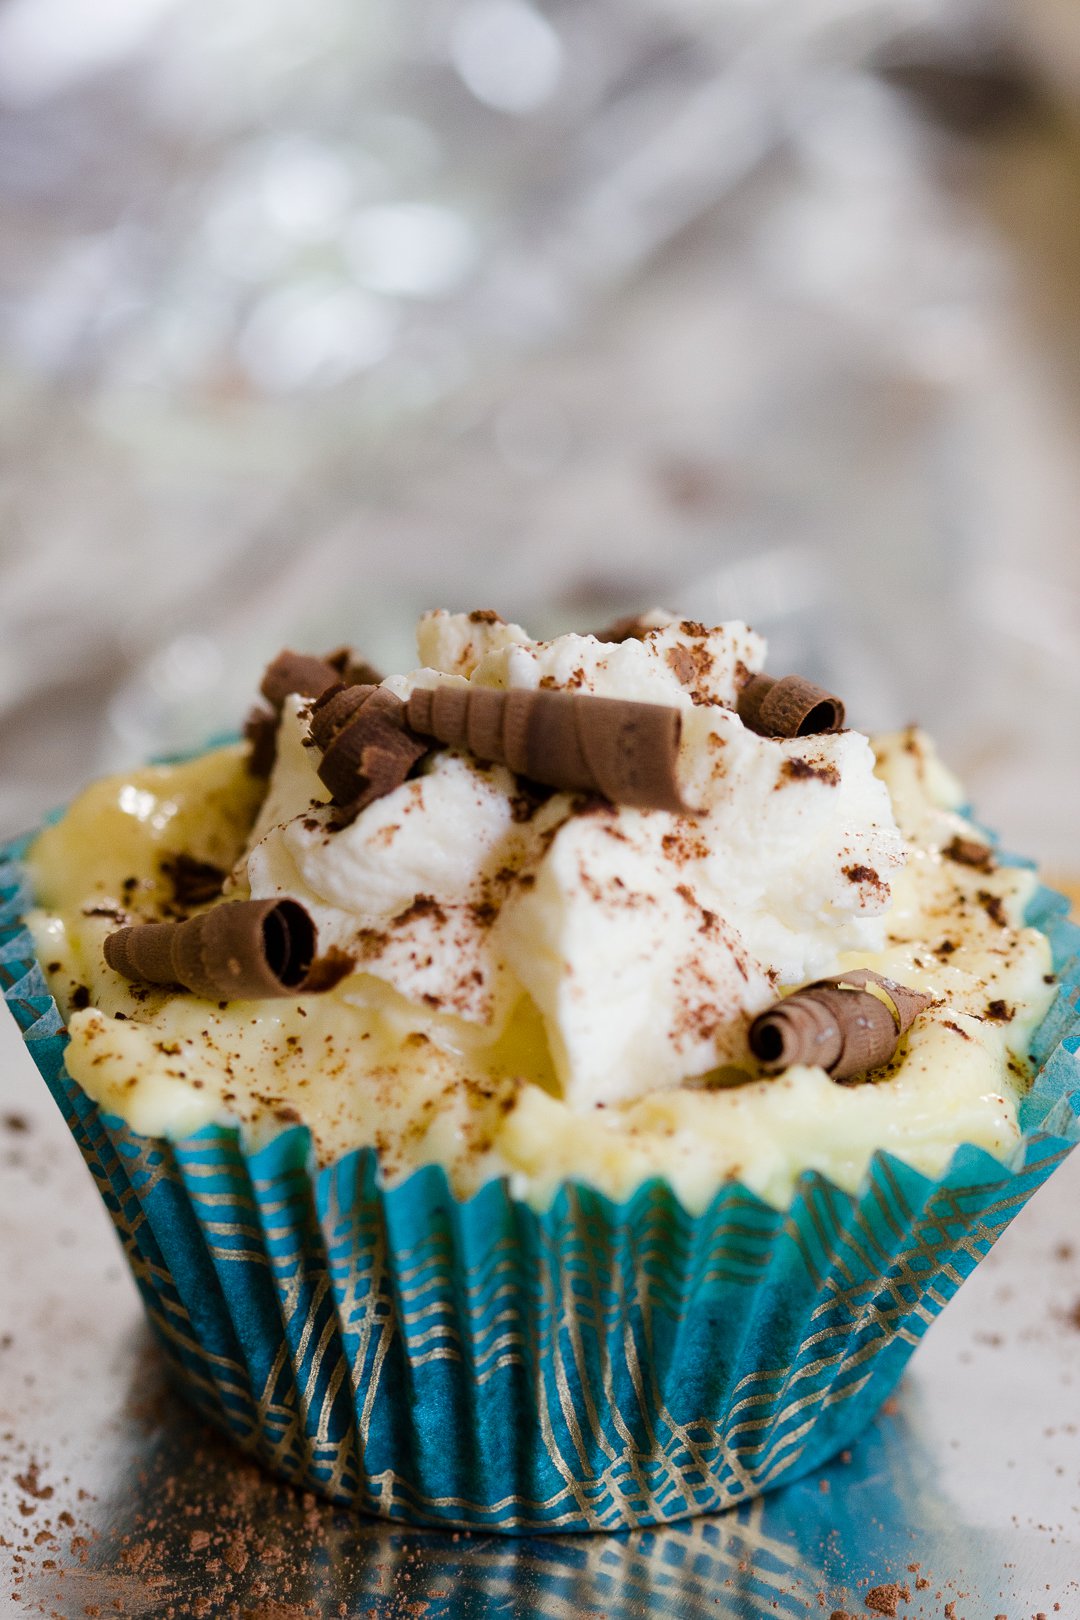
[{"x": 115, "y": 1499}]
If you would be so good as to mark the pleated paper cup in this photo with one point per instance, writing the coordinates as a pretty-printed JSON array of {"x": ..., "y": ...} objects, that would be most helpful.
[{"x": 595, "y": 1366}]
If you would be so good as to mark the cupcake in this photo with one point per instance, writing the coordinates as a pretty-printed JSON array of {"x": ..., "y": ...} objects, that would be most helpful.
[{"x": 553, "y": 1089}]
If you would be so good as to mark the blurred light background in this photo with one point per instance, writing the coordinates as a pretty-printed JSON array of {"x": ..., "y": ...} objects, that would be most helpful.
[{"x": 314, "y": 315}]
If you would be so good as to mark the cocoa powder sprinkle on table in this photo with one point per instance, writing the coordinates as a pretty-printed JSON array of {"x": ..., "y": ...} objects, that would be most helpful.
[{"x": 884, "y": 1599}]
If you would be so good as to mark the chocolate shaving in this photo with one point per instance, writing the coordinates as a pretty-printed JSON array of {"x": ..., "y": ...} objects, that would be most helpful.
[
  {"x": 788, "y": 707},
  {"x": 351, "y": 670},
  {"x": 837, "y": 1024},
  {"x": 632, "y": 627},
  {"x": 238, "y": 951},
  {"x": 194, "y": 882},
  {"x": 260, "y": 729},
  {"x": 309, "y": 677},
  {"x": 296, "y": 672},
  {"x": 368, "y": 750},
  {"x": 625, "y": 751}
]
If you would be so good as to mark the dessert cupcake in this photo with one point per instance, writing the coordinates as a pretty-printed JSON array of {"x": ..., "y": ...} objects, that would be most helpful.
[{"x": 554, "y": 1089}]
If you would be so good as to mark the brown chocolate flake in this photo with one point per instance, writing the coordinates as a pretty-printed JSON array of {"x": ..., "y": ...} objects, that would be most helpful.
[
  {"x": 804, "y": 770},
  {"x": 1000, "y": 1012},
  {"x": 788, "y": 707},
  {"x": 632, "y": 627},
  {"x": 625, "y": 751},
  {"x": 994, "y": 906},
  {"x": 681, "y": 661},
  {"x": 836, "y": 1024},
  {"x": 691, "y": 665},
  {"x": 79, "y": 999},
  {"x": 260, "y": 730},
  {"x": 966, "y": 852},
  {"x": 485, "y": 616},
  {"x": 194, "y": 882},
  {"x": 240, "y": 950}
]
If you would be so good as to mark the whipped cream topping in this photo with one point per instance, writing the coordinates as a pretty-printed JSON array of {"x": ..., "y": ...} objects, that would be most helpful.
[{"x": 646, "y": 940}]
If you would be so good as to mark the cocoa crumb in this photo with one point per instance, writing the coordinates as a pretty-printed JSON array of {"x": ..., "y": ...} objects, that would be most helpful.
[
  {"x": 30, "y": 1484},
  {"x": 804, "y": 770},
  {"x": 424, "y": 905},
  {"x": 865, "y": 874},
  {"x": 884, "y": 1599},
  {"x": 947, "y": 1023}
]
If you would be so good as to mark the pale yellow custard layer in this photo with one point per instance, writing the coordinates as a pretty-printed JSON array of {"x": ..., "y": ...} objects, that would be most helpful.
[{"x": 422, "y": 1087}]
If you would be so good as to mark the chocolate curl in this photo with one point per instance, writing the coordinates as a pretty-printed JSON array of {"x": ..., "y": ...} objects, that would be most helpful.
[
  {"x": 296, "y": 672},
  {"x": 367, "y": 748},
  {"x": 845, "y": 1025},
  {"x": 626, "y": 751},
  {"x": 260, "y": 731},
  {"x": 788, "y": 707},
  {"x": 288, "y": 672},
  {"x": 351, "y": 670},
  {"x": 309, "y": 677},
  {"x": 239, "y": 951},
  {"x": 632, "y": 627}
]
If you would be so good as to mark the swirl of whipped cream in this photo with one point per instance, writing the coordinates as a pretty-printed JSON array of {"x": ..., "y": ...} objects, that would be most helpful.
[{"x": 646, "y": 941}]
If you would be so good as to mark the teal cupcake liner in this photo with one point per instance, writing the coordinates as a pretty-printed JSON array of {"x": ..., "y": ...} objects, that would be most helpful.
[{"x": 479, "y": 1364}]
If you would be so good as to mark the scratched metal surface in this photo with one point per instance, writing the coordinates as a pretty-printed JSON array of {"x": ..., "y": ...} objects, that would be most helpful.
[{"x": 115, "y": 1500}]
